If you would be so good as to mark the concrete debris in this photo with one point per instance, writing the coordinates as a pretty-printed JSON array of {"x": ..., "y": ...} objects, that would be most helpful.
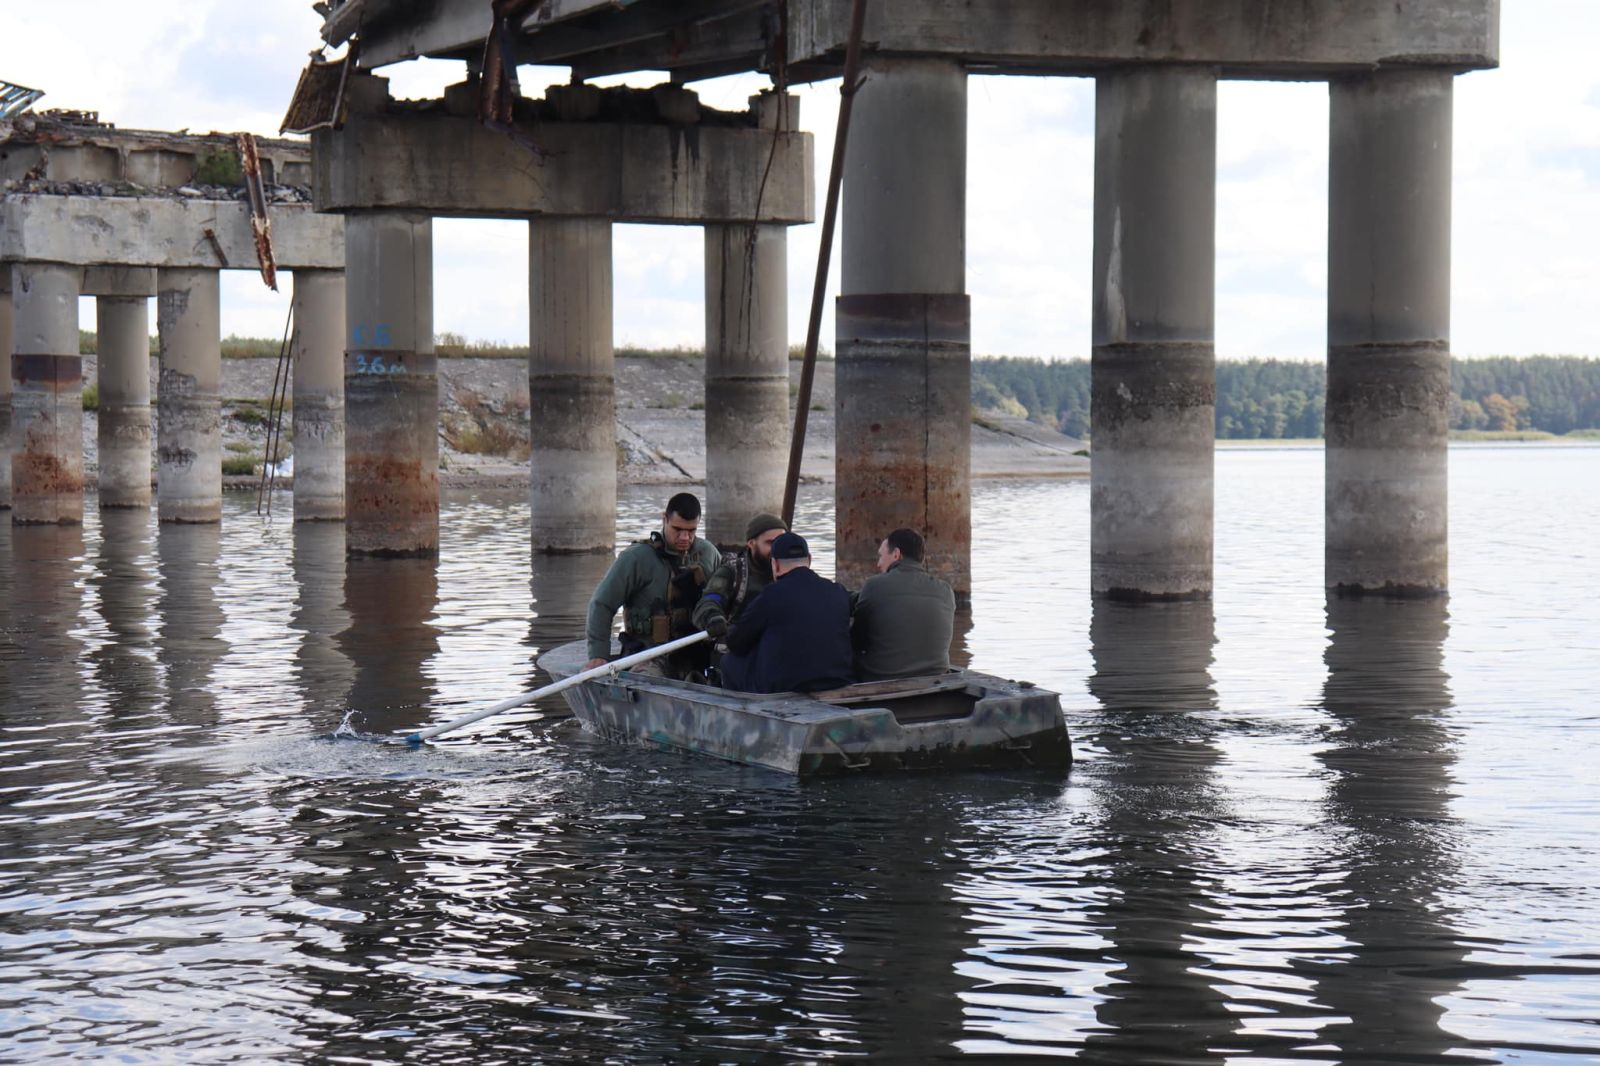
[{"x": 275, "y": 194}]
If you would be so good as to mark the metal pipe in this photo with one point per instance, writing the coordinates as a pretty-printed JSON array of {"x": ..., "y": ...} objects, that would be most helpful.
[{"x": 847, "y": 91}]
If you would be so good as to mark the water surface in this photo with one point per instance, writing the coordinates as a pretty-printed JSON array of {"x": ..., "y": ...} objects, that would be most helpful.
[{"x": 1297, "y": 829}]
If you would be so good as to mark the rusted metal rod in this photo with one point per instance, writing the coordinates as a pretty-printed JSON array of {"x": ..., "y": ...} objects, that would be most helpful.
[{"x": 808, "y": 369}]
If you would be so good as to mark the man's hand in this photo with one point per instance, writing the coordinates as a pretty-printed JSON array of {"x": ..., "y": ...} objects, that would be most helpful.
[
  {"x": 592, "y": 663},
  {"x": 717, "y": 627}
]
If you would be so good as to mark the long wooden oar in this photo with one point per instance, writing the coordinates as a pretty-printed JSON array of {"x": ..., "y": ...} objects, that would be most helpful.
[{"x": 549, "y": 690}]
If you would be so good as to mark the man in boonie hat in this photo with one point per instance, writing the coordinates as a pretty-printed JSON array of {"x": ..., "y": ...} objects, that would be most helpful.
[
  {"x": 740, "y": 578},
  {"x": 796, "y": 636}
]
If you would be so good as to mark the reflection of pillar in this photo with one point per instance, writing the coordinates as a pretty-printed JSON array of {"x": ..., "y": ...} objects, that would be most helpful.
[
  {"x": 561, "y": 586},
  {"x": 41, "y": 668},
  {"x": 319, "y": 305},
  {"x": 46, "y": 395},
  {"x": 6, "y": 321},
  {"x": 389, "y": 639},
  {"x": 324, "y": 672},
  {"x": 747, "y": 376},
  {"x": 573, "y": 461},
  {"x": 189, "y": 431},
  {"x": 190, "y": 644},
  {"x": 904, "y": 322},
  {"x": 1151, "y": 670},
  {"x": 1154, "y": 373},
  {"x": 125, "y": 580},
  {"x": 122, "y": 330},
  {"x": 1388, "y": 332},
  {"x": 391, "y": 390},
  {"x": 1390, "y": 752}
]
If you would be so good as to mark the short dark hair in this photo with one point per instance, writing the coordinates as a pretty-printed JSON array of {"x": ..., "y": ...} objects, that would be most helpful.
[
  {"x": 908, "y": 542},
  {"x": 685, "y": 505}
]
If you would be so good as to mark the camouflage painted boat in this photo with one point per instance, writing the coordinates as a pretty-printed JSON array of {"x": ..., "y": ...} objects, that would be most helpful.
[{"x": 959, "y": 719}]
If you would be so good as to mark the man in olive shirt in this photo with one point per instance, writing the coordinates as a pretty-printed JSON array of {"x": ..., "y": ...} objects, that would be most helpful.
[
  {"x": 656, "y": 582},
  {"x": 904, "y": 617}
]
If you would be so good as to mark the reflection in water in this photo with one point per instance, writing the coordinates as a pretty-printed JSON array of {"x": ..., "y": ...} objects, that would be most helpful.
[
  {"x": 43, "y": 682},
  {"x": 1159, "y": 810},
  {"x": 125, "y": 665},
  {"x": 190, "y": 645},
  {"x": 1389, "y": 812},
  {"x": 323, "y": 672},
  {"x": 560, "y": 589},
  {"x": 530, "y": 893},
  {"x": 391, "y": 604}
]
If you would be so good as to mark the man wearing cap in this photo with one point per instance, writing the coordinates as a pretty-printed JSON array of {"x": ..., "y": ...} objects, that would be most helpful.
[
  {"x": 795, "y": 637},
  {"x": 740, "y": 578},
  {"x": 903, "y": 617}
]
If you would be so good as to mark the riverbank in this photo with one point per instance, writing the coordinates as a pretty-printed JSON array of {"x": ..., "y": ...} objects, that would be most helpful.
[{"x": 484, "y": 418}]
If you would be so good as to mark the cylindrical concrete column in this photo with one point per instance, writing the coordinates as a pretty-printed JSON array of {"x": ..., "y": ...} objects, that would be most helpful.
[
  {"x": 1387, "y": 421},
  {"x": 1153, "y": 401},
  {"x": 747, "y": 376},
  {"x": 319, "y": 307},
  {"x": 46, "y": 395},
  {"x": 188, "y": 396},
  {"x": 122, "y": 326},
  {"x": 904, "y": 379},
  {"x": 391, "y": 387},
  {"x": 6, "y": 322},
  {"x": 572, "y": 406}
]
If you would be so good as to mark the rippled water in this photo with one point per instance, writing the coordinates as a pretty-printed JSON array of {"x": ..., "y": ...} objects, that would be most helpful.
[{"x": 1297, "y": 830}]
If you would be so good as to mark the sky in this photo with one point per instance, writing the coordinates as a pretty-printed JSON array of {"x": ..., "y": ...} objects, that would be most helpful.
[{"x": 1526, "y": 198}]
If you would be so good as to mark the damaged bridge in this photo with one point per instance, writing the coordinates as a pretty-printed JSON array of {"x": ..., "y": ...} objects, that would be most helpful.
[
  {"x": 903, "y": 319},
  {"x": 123, "y": 215}
]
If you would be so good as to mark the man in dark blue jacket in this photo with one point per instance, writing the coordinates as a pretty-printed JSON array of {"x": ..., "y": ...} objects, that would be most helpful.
[{"x": 795, "y": 636}]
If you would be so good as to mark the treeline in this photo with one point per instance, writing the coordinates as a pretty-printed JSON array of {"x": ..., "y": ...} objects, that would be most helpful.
[{"x": 1269, "y": 399}]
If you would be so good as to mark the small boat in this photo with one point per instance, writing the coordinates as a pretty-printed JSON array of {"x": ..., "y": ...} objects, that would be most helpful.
[{"x": 959, "y": 719}]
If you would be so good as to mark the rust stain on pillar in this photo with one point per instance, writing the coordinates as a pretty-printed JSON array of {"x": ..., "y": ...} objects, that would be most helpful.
[
  {"x": 391, "y": 471},
  {"x": 391, "y": 391},
  {"x": 47, "y": 463},
  {"x": 904, "y": 430},
  {"x": 47, "y": 396},
  {"x": 5, "y": 388}
]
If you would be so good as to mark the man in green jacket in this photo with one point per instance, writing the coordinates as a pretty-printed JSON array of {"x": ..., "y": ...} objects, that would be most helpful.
[
  {"x": 903, "y": 618},
  {"x": 656, "y": 582},
  {"x": 740, "y": 578}
]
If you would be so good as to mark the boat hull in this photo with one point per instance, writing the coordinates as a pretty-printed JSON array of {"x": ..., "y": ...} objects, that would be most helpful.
[{"x": 951, "y": 721}]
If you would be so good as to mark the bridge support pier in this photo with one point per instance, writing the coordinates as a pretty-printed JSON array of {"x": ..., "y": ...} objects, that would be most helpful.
[
  {"x": 46, "y": 396},
  {"x": 571, "y": 391},
  {"x": 1153, "y": 401},
  {"x": 319, "y": 307},
  {"x": 747, "y": 376},
  {"x": 904, "y": 322},
  {"x": 1388, "y": 333},
  {"x": 391, "y": 387},
  {"x": 122, "y": 331},
  {"x": 189, "y": 396},
  {"x": 7, "y": 321}
]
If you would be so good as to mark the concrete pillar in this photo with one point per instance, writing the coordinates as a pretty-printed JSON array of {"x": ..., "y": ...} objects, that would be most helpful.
[
  {"x": 1153, "y": 401},
  {"x": 319, "y": 307},
  {"x": 747, "y": 376},
  {"x": 573, "y": 457},
  {"x": 391, "y": 387},
  {"x": 5, "y": 386},
  {"x": 1387, "y": 416},
  {"x": 904, "y": 322},
  {"x": 46, "y": 395},
  {"x": 188, "y": 397},
  {"x": 122, "y": 326}
]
